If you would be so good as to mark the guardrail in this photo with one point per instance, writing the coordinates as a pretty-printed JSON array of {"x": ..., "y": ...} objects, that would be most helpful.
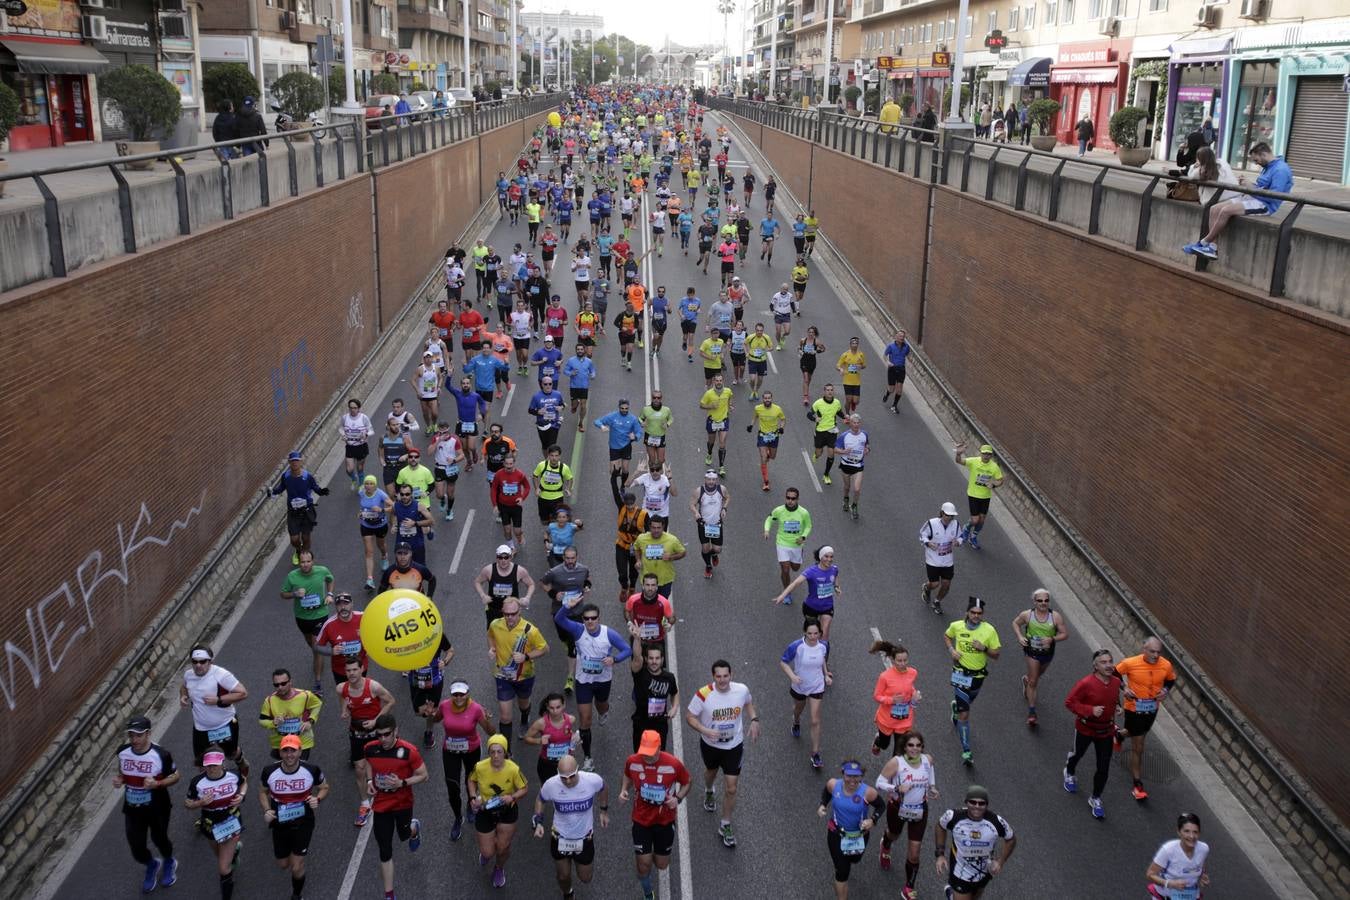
[
  {"x": 899, "y": 147},
  {"x": 358, "y": 145},
  {"x": 839, "y": 135}
]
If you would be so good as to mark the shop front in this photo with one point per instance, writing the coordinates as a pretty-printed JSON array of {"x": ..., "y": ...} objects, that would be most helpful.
[
  {"x": 51, "y": 77},
  {"x": 1029, "y": 80},
  {"x": 1088, "y": 81},
  {"x": 1197, "y": 71},
  {"x": 993, "y": 91},
  {"x": 129, "y": 41}
]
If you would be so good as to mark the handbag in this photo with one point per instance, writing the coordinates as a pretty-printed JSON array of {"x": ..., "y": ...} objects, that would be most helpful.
[{"x": 1178, "y": 190}]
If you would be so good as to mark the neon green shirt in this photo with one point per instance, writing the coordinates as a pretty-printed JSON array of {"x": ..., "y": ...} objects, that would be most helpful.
[
  {"x": 962, "y": 635},
  {"x": 656, "y": 422},
  {"x": 982, "y": 475},
  {"x": 793, "y": 525}
]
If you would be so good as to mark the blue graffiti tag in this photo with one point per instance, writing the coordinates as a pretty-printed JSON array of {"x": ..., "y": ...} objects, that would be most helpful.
[{"x": 288, "y": 379}]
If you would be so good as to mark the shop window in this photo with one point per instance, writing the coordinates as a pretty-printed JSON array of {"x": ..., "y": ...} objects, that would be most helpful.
[
  {"x": 970, "y": 27},
  {"x": 1254, "y": 119},
  {"x": 1157, "y": 5},
  {"x": 1051, "y": 7},
  {"x": 1096, "y": 9},
  {"x": 1066, "y": 12},
  {"x": 32, "y": 91},
  {"x": 386, "y": 22},
  {"x": 951, "y": 29}
]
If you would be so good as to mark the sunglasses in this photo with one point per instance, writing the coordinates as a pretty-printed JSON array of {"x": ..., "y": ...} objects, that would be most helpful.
[
  {"x": 280, "y": 684},
  {"x": 590, "y": 618},
  {"x": 977, "y": 802},
  {"x": 503, "y": 555}
]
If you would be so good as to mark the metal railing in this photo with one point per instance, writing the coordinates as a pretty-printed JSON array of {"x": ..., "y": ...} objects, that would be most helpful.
[
  {"x": 359, "y": 146},
  {"x": 900, "y": 147},
  {"x": 765, "y": 113}
]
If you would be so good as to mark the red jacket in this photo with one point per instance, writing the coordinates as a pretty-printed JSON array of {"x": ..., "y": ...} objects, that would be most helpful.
[
  {"x": 507, "y": 497},
  {"x": 1087, "y": 693}
]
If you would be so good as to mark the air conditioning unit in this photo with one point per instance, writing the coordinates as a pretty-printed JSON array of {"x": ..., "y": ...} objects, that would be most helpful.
[
  {"x": 1110, "y": 26},
  {"x": 94, "y": 27},
  {"x": 1255, "y": 9},
  {"x": 174, "y": 27},
  {"x": 92, "y": 4},
  {"x": 1207, "y": 16},
  {"x": 173, "y": 6}
]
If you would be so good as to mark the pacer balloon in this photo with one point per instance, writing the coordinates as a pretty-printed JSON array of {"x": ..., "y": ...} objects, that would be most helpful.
[{"x": 401, "y": 629}]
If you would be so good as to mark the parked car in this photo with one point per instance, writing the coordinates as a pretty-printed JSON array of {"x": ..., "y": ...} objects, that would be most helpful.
[
  {"x": 427, "y": 98},
  {"x": 459, "y": 96},
  {"x": 378, "y": 105}
]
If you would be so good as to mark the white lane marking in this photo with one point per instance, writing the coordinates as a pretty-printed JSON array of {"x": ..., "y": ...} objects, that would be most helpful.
[
  {"x": 358, "y": 853},
  {"x": 773, "y": 365},
  {"x": 810, "y": 467},
  {"x": 463, "y": 539},
  {"x": 681, "y": 815},
  {"x": 506, "y": 407}
]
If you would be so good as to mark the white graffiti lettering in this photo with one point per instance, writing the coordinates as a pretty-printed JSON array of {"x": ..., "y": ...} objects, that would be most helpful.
[{"x": 46, "y": 619}]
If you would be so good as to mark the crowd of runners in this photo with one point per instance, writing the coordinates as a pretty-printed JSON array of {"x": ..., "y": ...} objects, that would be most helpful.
[{"x": 623, "y": 169}]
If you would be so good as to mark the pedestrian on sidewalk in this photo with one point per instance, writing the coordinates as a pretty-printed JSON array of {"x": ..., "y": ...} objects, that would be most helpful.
[
  {"x": 225, "y": 128},
  {"x": 1085, "y": 132},
  {"x": 249, "y": 123}
]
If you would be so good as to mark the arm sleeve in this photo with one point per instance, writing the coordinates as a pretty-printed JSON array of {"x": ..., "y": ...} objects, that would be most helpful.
[
  {"x": 571, "y": 628},
  {"x": 625, "y": 650}
]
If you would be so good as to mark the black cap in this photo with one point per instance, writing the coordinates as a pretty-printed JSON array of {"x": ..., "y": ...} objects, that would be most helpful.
[
  {"x": 403, "y": 545},
  {"x": 138, "y": 725}
]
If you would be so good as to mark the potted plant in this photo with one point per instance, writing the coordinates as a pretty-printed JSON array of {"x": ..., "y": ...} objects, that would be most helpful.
[
  {"x": 299, "y": 94},
  {"x": 9, "y": 116},
  {"x": 906, "y": 103},
  {"x": 228, "y": 81},
  {"x": 851, "y": 95},
  {"x": 1043, "y": 113},
  {"x": 150, "y": 107},
  {"x": 1124, "y": 128}
]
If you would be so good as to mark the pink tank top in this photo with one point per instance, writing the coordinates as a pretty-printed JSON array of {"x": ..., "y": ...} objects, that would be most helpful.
[{"x": 558, "y": 739}]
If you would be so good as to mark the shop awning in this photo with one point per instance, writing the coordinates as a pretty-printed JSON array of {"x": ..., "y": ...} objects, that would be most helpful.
[
  {"x": 1205, "y": 46},
  {"x": 1106, "y": 75},
  {"x": 1031, "y": 73},
  {"x": 47, "y": 58}
]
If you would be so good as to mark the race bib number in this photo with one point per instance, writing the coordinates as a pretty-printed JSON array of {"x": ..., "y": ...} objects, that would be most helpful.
[
  {"x": 718, "y": 426},
  {"x": 570, "y": 846},
  {"x": 1146, "y": 706},
  {"x": 977, "y": 849},
  {"x": 349, "y": 648},
  {"x": 372, "y": 515},
  {"x": 557, "y": 751},
  {"x": 725, "y": 731},
  {"x": 653, "y": 503},
  {"x": 851, "y": 843},
  {"x": 289, "y": 812},
  {"x": 592, "y": 666},
  {"x": 216, "y": 735},
  {"x": 452, "y": 470},
  {"x": 510, "y": 489},
  {"x": 653, "y": 440},
  {"x": 507, "y": 672},
  {"x": 424, "y": 677},
  {"x": 137, "y": 796},
  {"x": 792, "y": 527},
  {"x": 650, "y": 631},
  {"x": 711, "y": 531},
  {"x": 469, "y": 333},
  {"x": 899, "y": 710},
  {"x": 654, "y": 551},
  {"x": 557, "y": 549},
  {"x": 501, "y": 590},
  {"x": 962, "y": 680},
  {"x": 1042, "y": 643},
  {"x": 853, "y": 369},
  {"x": 289, "y": 726},
  {"x": 406, "y": 530},
  {"x": 656, "y": 706},
  {"x": 299, "y": 502},
  {"x": 1190, "y": 893},
  {"x": 911, "y": 812},
  {"x": 226, "y": 829},
  {"x": 853, "y": 459},
  {"x": 825, "y": 590},
  {"x": 653, "y": 793},
  {"x": 983, "y": 480},
  {"x": 310, "y": 601}
]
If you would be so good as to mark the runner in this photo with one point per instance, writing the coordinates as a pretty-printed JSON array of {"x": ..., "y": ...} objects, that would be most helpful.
[
  {"x": 589, "y": 323},
  {"x": 624, "y": 430},
  {"x": 736, "y": 347},
  {"x": 852, "y": 447},
  {"x": 854, "y": 808},
  {"x": 657, "y": 218},
  {"x": 654, "y": 420},
  {"x": 471, "y": 324},
  {"x": 395, "y": 766},
  {"x": 655, "y": 550},
  {"x": 425, "y": 380},
  {"x": 574, "y": 796},
  {"x": 812, "y": 226},
  {"x": 496, "y": 447},
  {"x": 806, "y": 662},
  {"x": 799, "y": 276},
  {"x": 462, "y": 719},
  {"x": 363, "y": 701},
  {"x": 850, "y": 365},
  {"x": 395, "y": 445},
  {"x": 599, "y": 648},
  {"x": 825, "y": 412},
  {"x": 496, "y": 786},
  {"x": 971, "y": 642},
  {"x": 447, "y": 453},
  {"x": 425, "y": 684},
  {"x": 309, "y": 588},
  {"x": 972, "y": 862},
  {"x": 340, "y": 637},
  {"x": 940, "y": 537},
  {"x": 655, "y": 692},
  {"x": 822, "y": 586},
  {"x": 660, "y": 782},
  {"x": 566, "y": 583},
  {"x": 484, "y": 369},
  {"x": 514, "y": 645},
  {"x": 768, "y": 233},
  {"x": 632, "y": 521},
  {"x": 554, "y": 732},
  {"x": 1147, "y": 679},
  {"x": 707, "y": 231},
  {"x": 717, "y": 400},
  {"x": 472, "y": 410},
  {"x": 716, "y": 712},
  {"x": 356, "y": 432},
  {"x": 212, "y": 692},
  {"x": 549, "y": 360},
  {"x": 659, "y": 314},
  {"x": 908, "y": 781},
  {"x": 288, "y": 711},
  {"x": 302, "y": 513},
  {"x": 503, "y": 578},
  {"x": 579, "y": 370},
  {"x": 1038, "y": 630},
  {"x": 808, "y": 348},
  {"x": 290, "y": 794},
  {"x": 145, "y": 772},
  {"x": 1178, "y": 869},
  {"x": 794, "y": 527},
  {"x": 709, "y": 506},
  {"x": 417, "y": 476},
  {"x": 218, "y": 793},
  {"x": 560, "y": 534},
  {"x": 412, "y": 523},
  {"x": 984, "y": 476},
  {"x": 770, "y": 191},
  {"x": 509, "y": 489},
  {"x": 552, "y": 484},
  {"x": 712, "y": 351},
  {"x": 657, "y": 490},
  {"x": 749, "y": 181},
  {"x": 770, "y": 422},
  {"x": 1093, "y": 703},
  {"x": 897, "y": 351}
]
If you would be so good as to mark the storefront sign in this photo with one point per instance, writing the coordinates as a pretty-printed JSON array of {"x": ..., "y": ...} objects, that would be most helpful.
[
  {"x": 45, "y": 17},
  {"x": 14, "y": 7},
  {"x": 942, "y": 58},
  {"x": 995, "y": 40},
  {"x": 1195, "y": 94},
  {"x": 1009, "y": 57},
  {"x": 1089, "y": 54},
  {"x": 128, "y": 34},
  {"x": 885, "y": 62}
]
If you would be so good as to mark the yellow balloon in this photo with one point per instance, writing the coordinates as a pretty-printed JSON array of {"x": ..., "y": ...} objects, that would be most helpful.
[
  {"x": 401, "y": 630},
  {"x": 554, "y": 119}
]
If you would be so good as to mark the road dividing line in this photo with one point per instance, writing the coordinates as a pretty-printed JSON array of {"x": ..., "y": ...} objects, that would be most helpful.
[
  {"x": 773, "y": 365},
  {"x": 506, "y": 407},
  {"x": 463, "y": 539},
  {"x": 681, "y": 815},
  {"x": 354, "y": 866},
  {"x": 810, "y": 467}
]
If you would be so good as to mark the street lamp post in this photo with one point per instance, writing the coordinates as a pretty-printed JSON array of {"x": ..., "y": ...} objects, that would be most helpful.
[
  {"x": 726, "y": 8},
  {"x": 468, "y": 27},
  {"x": 829, "y": 45}
]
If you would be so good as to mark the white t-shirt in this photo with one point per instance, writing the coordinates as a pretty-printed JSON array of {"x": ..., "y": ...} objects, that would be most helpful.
[
  {"x": 214, "y": 682},
  {"x": 520, "y": 325},
  {"x": 427, "y": 382},
  {"x": 808, "y": 664},
  {"x": 656, "y": 499},
  {"x": 355, "y": 429},
  {"x": 591, "y": 652},
  {"x": 781, "y": 303},
  {"x": 946, "y": 537},
  {"x": 1177, "y": 865},
  {"x": 721, "y": 711},
  {"x": 911, "y": 785},
  {"x": 581, "y": 268},
  {"x": 574, "y": 806},
  {"x": 446, "y": 451}
]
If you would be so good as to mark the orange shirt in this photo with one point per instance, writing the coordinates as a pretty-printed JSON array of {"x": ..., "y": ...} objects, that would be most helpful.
[
  {"x": 445, "y": 324},
  {"x": 638, "y": 295},
  {"x": 1145, "y": 681},
  {"x": 893, "y": 719}
]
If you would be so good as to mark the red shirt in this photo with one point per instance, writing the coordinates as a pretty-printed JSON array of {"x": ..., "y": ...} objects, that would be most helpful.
[
  {"x": 653, "y": 780},
  {"x": 502, "y": 494},
  {"x": 470, "y": 323},
  {"x": 363, "y": 706},
  {"x": 1090, "y": 691},
  {"x": 399, "y": 761},
  {"x": 622, "y": 249},
  {"x": 444, "y": 322},
  {"x": 648, "y": 615},
  {"x": 556, "y": 319},
  {"x": 345, "y": 639}
]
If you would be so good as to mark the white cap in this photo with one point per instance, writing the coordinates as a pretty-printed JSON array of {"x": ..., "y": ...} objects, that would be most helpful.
[
  {"x": 505, "y": 548},
  {"x": 949, "y": 508},
  {"x": 459, "y": 687}
]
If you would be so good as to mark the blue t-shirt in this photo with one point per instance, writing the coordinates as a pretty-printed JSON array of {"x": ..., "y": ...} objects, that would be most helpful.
[
  {"x": 690, "y": 307},
  {"x": 297, "y": 488},
  {"x": 593, "y": 207},
  {"x": 560, "y": 537},
  {"x": 548, "y": 359},
  {"x": 799, "y": 229},
  {"x": 468, "y": 404},
  {"x": 768, "y": 227},
  {"x": 659, "y": 307},
  {"x": 1278, "y": 177},
  {"x": 547, "y": 409},
  {"x": 579, "y": 371},
  {"x": 896, "y": 353},
  {"x": 502, "y": 185},
  {"x": 605, "y": 244},
  {"x": 484, "y": 370},
  {"x": 564, "y": 208},
  {"x": 820, "y": 587},
  {"x": 686, "y": 222},
  {"x": 372, "y": 508},
  {"x": 624, "y": 429}
]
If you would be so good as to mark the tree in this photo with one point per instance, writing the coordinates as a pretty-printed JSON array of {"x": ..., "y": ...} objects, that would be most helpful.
[
  {"x": 1125, "y": 126},
  {"x": 228, "y": 81},
  {"x": 9, "y": 110},
  {"x": 299, "y": 94},
  {"x": 149, "y": 103},
  {"x": 384, "y": 83},
  {"x": 337, "y": 86}
]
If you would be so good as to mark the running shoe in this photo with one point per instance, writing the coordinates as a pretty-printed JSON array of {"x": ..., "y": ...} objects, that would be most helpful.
[
  {"x": 362, "y": 815},
  {"x": 1070, "y": 783},
  {"x": 707, "y": 571},
  {"x": 967, "y": 758},
  {"x": 826, "y": 479},
  {"x": 295, "y": 559},
  {"x": 885, "y": 858},
  {"x": 168, "y": 873},
  {"x": 926, "y": 595},
  {"x": 908, "y": 893},
  {"x": 765, "y": 488},
  {"x": 589, "y": 764},
  {"x": 370, "y": 584},
  {"x": 499, "y": 877},
  {"x": 1031, "y": 720},
  {"x": 456, "y": 830},
  {"x": 707, "y": 459},
  {"x": 975, "y": 541},
  {"x": 1207, "y": 250},
  {"x": 691, "y": 357},
  {"x": 415, "y": 840},
  {"x": 569, "y": 685},
  {"x": 876, "y": 751},
  {"x": 483, "y": 860},
  {"x": 722, "y": 470},
  {"x": 151, "y": 876},
  {"x": 816, "y": 762},
  {"x": 953, "y": 712},
  {"x": 937, "y": 607},
  {"x": 728, "y": 835},
  {"x": 709, "y": 801},
  {"x": 846, "y": 503},
  {"x": 603, "y": 718},
  {"x": 1097, "y": 811},
  {"x": 318, "y": 688},
  {"x": 1138, "y": 792},
  {"x": 450, "y": 515},
  {"x": 854, "y": 511},
  {"x": 796, "y": 729}
]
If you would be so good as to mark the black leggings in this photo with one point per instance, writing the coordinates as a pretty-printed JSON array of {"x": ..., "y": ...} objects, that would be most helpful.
[
  {"x": 1102, "y": 745},
  {"x": 155, "y": 822},
  {"x": 842, "y": 863},
  {"x": 386, "y": 823},
  {"x": 450, "y": 764}
]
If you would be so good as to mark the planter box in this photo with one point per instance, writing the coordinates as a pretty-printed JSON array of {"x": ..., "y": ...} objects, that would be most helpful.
[
  {"x": 1046, "y": 142},
  {"x": 1134, "y": 156},
  {"x": 135, "y": 148}
]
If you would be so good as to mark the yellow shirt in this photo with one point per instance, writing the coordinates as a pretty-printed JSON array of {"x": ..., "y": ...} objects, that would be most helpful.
[
  {"x": 711, "y": 351},
  {"x": 982, "y": 475},
  {"x": 303, "y": 707},
  {"x": 800, "y": 274},
  {"x": 852, "y": 363},
  {"x": 524, "y": 638},
  {"x": 717, "y": 405},
  {"x": 497, "y": 782},
  {"x": 811, "y": 222},
  {"x": 769, "y": 418},
  {"x": 694, "y": 178},
  {"x": 532, "y": 212},
  {"x": 827, "y": 414},
  {"x": 758, "y": 346},
  {"x": 649, "y": 553}
]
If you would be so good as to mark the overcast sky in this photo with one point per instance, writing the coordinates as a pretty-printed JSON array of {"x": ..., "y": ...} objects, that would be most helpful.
[{"x": 696, "y": 21}]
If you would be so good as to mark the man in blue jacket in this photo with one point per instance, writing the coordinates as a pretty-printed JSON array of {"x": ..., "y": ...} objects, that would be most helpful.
[
  {"x": 1276, "y": 176},
  {"x": 624, "y": 431},
  {"x": 299, "y": 487}
]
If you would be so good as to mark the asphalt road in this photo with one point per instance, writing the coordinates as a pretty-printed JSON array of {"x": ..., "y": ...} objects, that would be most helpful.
[{"x": 1061, "y": 852}]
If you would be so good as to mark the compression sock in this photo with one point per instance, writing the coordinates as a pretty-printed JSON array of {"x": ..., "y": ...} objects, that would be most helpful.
[
  {"x": 586, "y": 741},
  {"x": 449, "y": 504},
  {"x": 829, "y": 464},
  {"x": 506, "y": 732},
  {"x": 227, "y": 886},
  {"x": 707, "y": 559},
  {"x": 911, "y": 873},
  {"x": 963, "y": 729},
  {"x": 524, "y": 718},
  {"x": 721, "y": 456},
  {"x": 646, "y": 882},
  {"x": 297, "y": 887}
]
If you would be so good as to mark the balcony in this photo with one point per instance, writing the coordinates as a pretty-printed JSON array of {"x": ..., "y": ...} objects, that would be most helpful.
[{"x": 426, "y": 20}]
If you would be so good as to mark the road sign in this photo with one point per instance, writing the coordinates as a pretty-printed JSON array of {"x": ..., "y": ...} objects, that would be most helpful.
[
  {"x": 942, "y": 60},
  {"x": 14, "y": 7}
]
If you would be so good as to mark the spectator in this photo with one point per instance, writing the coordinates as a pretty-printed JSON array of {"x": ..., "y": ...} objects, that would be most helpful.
[
  {"x": 889, "y": 116},
  {"x": 440, "y": 102},
  {"x": 1186, "y": 153},
  {"x": 1207, "y": 132},
  {"x": 1275, "y": 176},
  {"x": 402, "y": 107},
  {"x": 1086, "y": 132},
  {"x": 249, "y": 123},
  {"x": 1208, "y": 167},
  {"x": 982, "y": 124},
  {"x": 225, "y": 128},
  {"x": 928, "y": 121},
  {"x": 1011, "y": 121},
  {"x": 1024, "y": 121}
]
